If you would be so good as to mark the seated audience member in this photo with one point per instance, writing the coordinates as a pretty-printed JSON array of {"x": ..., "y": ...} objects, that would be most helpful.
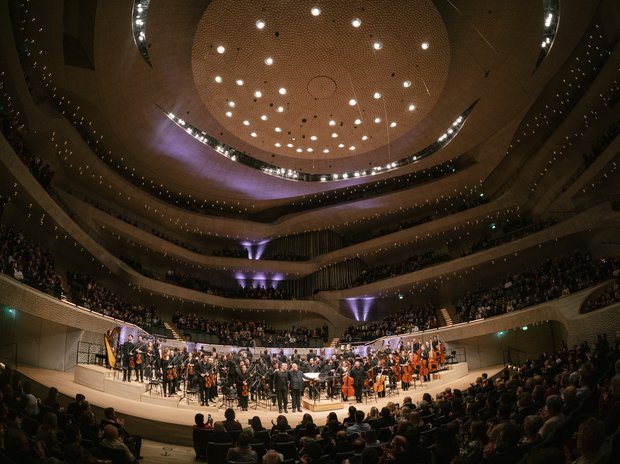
[
  {"x": 272, "y": 457},
  {"x": 552, "y": 415},
  {"x": 385, "y": 420},
  {"x": 590, "y": 442},
  {"x": 47, "y": 432},
  {"x": 111, "y": 439},
  {"x": 256, "y": 424},
  {"x": 220, "y": 434},
  {"x": 359, "y": 426},
  {"x": 358, "y": 446},
  {"x": 531, "y": 426},
  {"x": 396, "y": 454},
  {"x": 75, "y": 409},
  {"x": 133, "y": 442},
  {"x": 341, "y": 444},
  {"x": 280, "y": 434},
  {"x": 231, "y": 423},
  {"x": 371, "y": 438},
  {"x": 311, "y": 452},
  {"x": 30, "y": 402},
  {"x": 243, "y": 452},
  {"x": 199, "y": 422},
  {"x": 51, "y": 400},
  {"x": 350, "y": 419}
]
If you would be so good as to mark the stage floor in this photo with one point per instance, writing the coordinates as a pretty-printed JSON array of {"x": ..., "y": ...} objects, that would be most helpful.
[{"x": 169, "y": 420}]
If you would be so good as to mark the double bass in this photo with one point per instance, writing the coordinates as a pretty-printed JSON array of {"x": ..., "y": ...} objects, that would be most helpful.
[{"x": 347, "y": 385}]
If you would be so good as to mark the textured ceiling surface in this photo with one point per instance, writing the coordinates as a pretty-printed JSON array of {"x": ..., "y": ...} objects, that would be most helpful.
[{"x": 340, "y": 83}]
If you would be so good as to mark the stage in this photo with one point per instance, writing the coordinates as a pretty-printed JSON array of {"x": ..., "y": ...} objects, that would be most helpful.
[{"x": 169, "y": 420}]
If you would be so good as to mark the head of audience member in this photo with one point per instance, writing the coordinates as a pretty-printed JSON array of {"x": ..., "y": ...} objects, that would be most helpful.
[
  {"x": 282, "y": 424},
  {"x": 590, "y": 438},
  {"x": 359, "y": 416},
  {"x": 229, "y": 414},
  {"x": 110, "y": 432},
  {"x": 358, "y": 445},
  {"x": 219, "y": 427},
  {"x": 199, "y": 420},
  {"x": 256, "y": 424},
  {"x": 272, "y": 457},
  {"x": 245, "y": 437}
]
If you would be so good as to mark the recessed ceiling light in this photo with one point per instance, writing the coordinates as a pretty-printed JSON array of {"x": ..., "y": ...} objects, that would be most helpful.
[
  {"x": 269, "y": 61},
  {"x": 246, "y": 123},
  {"x": 229, "y": 114},
  {"x": 279, "y": 109},
  {"x": 353, "y": 102},
  {"x": 309, "y": 150},
  {"x": 352, "y": 147},
  {"x": 393, "y": 124},
  {"x": 376, "y": 95},
  {"x": 332, "y": 123},
  {"x": 358, "y": 121},
  {"x": 298, "y": 150},
  {"x": 411, "y": 107},
  {"x": 290, "y": 145},
  {"x": 278, "y": 129},
  {"x": 377, "y": 45},
  {"x": 253, "y": 134},
  {"x": 258, "y": 94},
  {"x": 218, "y": 79},
  {"x": 407, "y": 84},
  {"x": 424, "y": 45},
  {"x": 315, "y": 11},
  {"x": 341, "y": 145},
  {"x": 326, "y": 150},
  {"x": 282, "y": 91},
  {"x": 264, "y": 117},
  {"x": 313, "y": 137},
  {"x": 278, "y": 144},
  {"x": 334, "y": 135},
  {"x": 356, "y": 22},
  {"x": 231, "y": 104},
  {"x": 364, "y": 137},
  {"x": 239, "y": 81},
  {"x": 220, "y": 49},
  {"x": 260, "y": 24},
  {"x": 377, "y": 120}
]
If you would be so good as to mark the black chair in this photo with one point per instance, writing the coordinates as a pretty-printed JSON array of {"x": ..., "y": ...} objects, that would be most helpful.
[
  {"x": 384, "y": 435},
  {"x": 216, "y": 452},
  {"x": 117, "y": 456},
  {"x": 260, "y": 448},
  {"x": 342, "y": 456},
  {"x": 288, "y": 449},
  {"x": 200, "y": 440},
  {"x": 234, "y": 434},
  {"x": 263, "y": 436}
]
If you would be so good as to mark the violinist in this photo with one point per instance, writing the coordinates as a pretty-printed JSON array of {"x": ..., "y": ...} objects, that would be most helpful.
[
  {"x": 149, "y": 355},
  {"x": 128, "y": 358},
  {"x": 243, "y": 386},
  {"x": 169, "y": 374},
  {"x": 138, "y": 352},
  {"x": 202, "y": 371}
]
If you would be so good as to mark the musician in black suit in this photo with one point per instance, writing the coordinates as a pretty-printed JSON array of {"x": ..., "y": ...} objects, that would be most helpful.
[
  {"x": 358, "y": 380},
  {"x": 128, "y": 359},
  {"x": 296, "y": 381},
  {"x": 280, "y": 387},
  {"x": 138, "y": 351}
]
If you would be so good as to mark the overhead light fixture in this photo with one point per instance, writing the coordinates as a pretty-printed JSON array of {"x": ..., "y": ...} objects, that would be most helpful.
[
  {"x": 263, "y": 117},
  {"x": 377, "y": 120},
  {"x": 231, "y": 104},
  {"x": 377, "y": 45},
  {"x": 353, "y": 102},
  {"x": 407, "y": 84},
  {"x": 352, "y": 147},
  {"x": 309, "y": 150},
  {"x": 411, "y": 107},
  {"x": 253, "y": 134},
  {"x": 229, "y": 114},
  {"x": 315, "y": 11},
  {"x": 290, "y": 145},
  {"x": 239, "y": 81},
  {"x": 341, "y": 145},
  {"x": 393, "y": 124},
  {"x": 279, "y": 109},
  {"x": 260, "y": 24},
  {"x": 313, "y": 137},
  {"x": 376, "y": 95},
  {"x": 218, "y": 79},
  {"x": 356, "y": 22},
  {"x": 424, "y": 45},
  {"x": 298, "y": 150},
  {"x": 334, "y": 135},
  {"x": 282, "y": 91},
  {"x": 358, "y": 121},
  {"x": 220, "y": 49},
  {"x": 277, "y": 144},
  {"x": 326, "y": 150},
  {"x": 277, "y": 129},
  {"x": 246, "y": 123},
  {"x": 258, "y": 94},
  {"x": 269, "y": 61},
  {"x": 332, "y": 123},
  {"x": 364, "y": 137}
]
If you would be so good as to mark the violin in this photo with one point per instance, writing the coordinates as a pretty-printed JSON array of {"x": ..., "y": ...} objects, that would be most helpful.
[
  {"x": 132, "y": 363},
  {"x": 245, "y": 389},
  {"x": 170, "y": 373}
]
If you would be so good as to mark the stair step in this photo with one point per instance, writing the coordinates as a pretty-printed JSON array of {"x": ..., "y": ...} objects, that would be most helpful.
[
  {"x": 175, "y": 334},
  {"x": 446, "y": 316}
]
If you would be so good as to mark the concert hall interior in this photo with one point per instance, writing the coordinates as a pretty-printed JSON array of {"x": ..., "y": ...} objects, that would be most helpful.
[{"x": 291, "y": 208}]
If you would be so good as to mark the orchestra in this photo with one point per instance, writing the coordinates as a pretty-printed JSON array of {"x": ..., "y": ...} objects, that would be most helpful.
[{"x": 245, "y": 377}]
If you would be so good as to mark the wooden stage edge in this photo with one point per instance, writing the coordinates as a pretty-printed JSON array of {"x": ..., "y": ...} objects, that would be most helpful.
[{"x": 169, "y": 420}]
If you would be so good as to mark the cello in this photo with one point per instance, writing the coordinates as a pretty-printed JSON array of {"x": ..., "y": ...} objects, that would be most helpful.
[{"x": 379, "y": 386}]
